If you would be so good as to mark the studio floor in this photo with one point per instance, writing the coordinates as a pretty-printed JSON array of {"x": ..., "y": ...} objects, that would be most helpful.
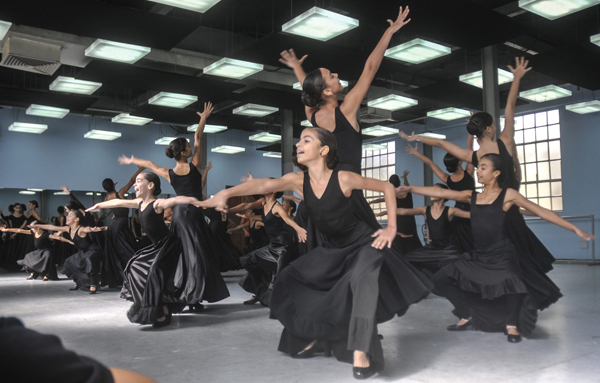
[{"x": 230, "y": 342}]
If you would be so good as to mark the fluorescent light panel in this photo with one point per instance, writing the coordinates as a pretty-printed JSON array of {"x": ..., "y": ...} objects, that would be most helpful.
[
  {"x": 380, "y": 131},
  {"x": 476, "y": 78},
  {"x": 595, "y": 39},
  {"x": 92, "y": 193},
  {"x": 306, "y": 123},
  {"x": 545, "y": 93},
  {"x": 60, "y": 193},
  {"x": 25, "y": 127},
  {"x": 231, "y": 68},
  {"x": 417, "y": 51},
  {"x": 114, "y": 51},
  {"x": 35, "y": 190},
  {"x": 373, "y": 146},
  {"x": 255, "y": 110},
  {"x": 173, "y": 100},
  {"x": 71, "y": 85},
  {"x": 207, "y": 128},
  {"x": 265, "y": 137},
  {"x": 126, "y": 118},
  {"x": 319, "y": 24},
  {"x": 449, "y": 114},
  {"x": 584, "y": 107},
  {"x": 4, "y": 27},
  {"x": 46, "y": 111},
  {"x": 432, "y": 135},
  {"x": 191, "y": 5},
  {"x": 554, "y": 9},
  {"x": 227, "y": 149},
  {"x": 272, "y": 154},
  {"x": 166, "y": 140},
  {"x": 392, "y": 102},
  {"x": 27, "y": 192},
  {"x": 105, "y": 135},
  {"x": 297, "y": 85}
]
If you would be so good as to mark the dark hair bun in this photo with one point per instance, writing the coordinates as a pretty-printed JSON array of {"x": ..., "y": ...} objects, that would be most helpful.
[
  {"x": 332, "y": 161},
  {"x": 157, "y": 190},
  {"x": 310, "y": 100},
  {"x": 169, "y": 152}
]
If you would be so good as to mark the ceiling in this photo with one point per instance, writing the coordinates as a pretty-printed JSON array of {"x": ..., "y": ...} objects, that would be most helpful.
[{"x": 184, "y": 42}]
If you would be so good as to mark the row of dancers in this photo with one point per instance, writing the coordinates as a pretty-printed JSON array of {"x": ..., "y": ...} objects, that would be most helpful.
[{"x": 332, "y": 274}]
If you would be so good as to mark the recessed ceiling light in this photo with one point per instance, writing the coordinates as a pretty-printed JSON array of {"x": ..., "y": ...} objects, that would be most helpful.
[
  {"x": 60, "y": 193},
  {"x": 554, "y": 9},
  {"x": 545, "y": 93},
  {"x": 105, "y": 135},
  {"x": 255, "y": 110},
  {"x": 595, "y": 39},
  {"x": 476, "y": 78},
  {"x": 585, "y": 107},
  {"x": 297, "y": 85},
  {"x": 191, "y": 5},
  {"x": 25, "y": 127},
  {"x": 306, "y": 123},
  {"x": 227, "y": 149},
  {"x": 392, "y": 102},
  {"x": 4, "y": 27},
  {"x": 265, "y": 137},
  {"x": 373, "y": 147},
  {"x": 173, "y": 100},
  {"x": 432, "y": 135},
  {"x": 166, "y": 140},
  {"x": 272, "y": 154},
  {"x": 27, "y": 192},
  {"x": 114, "y": 51},
  {"x": 71, "y": 85},
  {"x": 417, "y": 51},
  {"x": 207, "y": 128},
  {"x": 319, "y": 24},
  {"x": 126, "y": 118},
  {"x": 231, "y": 68},
  {"x": 449, "y": 114},
  {"x": 379, "y": 131},
  {"x": 92, "y": 193},
  {"x": 46, "y": 111}
]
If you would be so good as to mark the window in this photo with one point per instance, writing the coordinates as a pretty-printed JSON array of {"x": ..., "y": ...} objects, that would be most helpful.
[{"x": 379, "y": 164}]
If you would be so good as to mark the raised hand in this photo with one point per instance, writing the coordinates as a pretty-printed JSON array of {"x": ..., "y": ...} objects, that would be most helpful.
[
  {"x": 406, "y": 173},
  {"x": 384, "y": 237},
  {"x": 209, "y": 166},
  {"x": 93, "y": 209},
  {"x": 584, "y": 235},
  {"x": 208, "y": 108},
  {"x": 301, "y": 234},
  {"x": 520, "y": 68},
  {"x": 408, "y": 138},
  {"x": 246, "y": 179},
  {"x": 411, "y": 151},
  {"x": 64, "y": 188},
  {"x": 289, "y": 58},
  {"x": 400, "y": 21},
  {"x": 124, "y": 160}
]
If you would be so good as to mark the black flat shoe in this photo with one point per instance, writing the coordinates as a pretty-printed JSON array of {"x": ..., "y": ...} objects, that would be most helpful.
[
  {"x": 320, "y": 346},
  {"x": 514, "y": 338},
  {"x": 362, "y": 373},
  {"x": 33, "y": 276},
  {"x": 95, "y": 291},
  {"x": 464, "y": 327},
  {"x": 196, "y": 308},
  {"x": 74, "y": 288},
  {"x": 166, "y": 322},
  {"x": 251, "y": 301}
]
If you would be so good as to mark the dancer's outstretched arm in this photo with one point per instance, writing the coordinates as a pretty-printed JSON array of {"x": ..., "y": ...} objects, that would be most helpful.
[
  {"x": 165, "y": 203},
  {"x": 205, "y": 175},
  {"x": 288, "y": 57},
  {"x": 508, "y": 134},
  {"x": 434, "y": 191},
  {"x": 208, "y": 108},
  {"x": 131, "y": 181},
  {"x": 443, "y": 176},
  {"x": 292, "y": 198},
  {"x": 60, "y": 238},
  {"x": 470, "y": 168},
  {"x": 278, "y": 209},
  {"x": 456, "y": 212},
  {"x": 163, "y": 172},
  {"x": 34, "y": 225},
  {"x": 18, "y": 231},
  {"x": 128, "y": 203},
  {"x": 458, "y": 152}
]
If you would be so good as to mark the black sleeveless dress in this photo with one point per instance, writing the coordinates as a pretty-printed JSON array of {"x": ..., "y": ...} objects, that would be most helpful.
[
  {"x": 41, "y": 260},
  {"x": 443, "y": 246},
  {"x": 84, "y": 262},
  {"x": 197, "y": 277},
  {"x": 29, "y": 240},
  {"x": 15, "y": 247},
  {"x": 340, "y": 291},
  {"x": 258, "y": 237},
  {"x": 62, "y": 250},
  {"x": 461, "y": 227},
  {"x": 406, "y": 224},
  {"x": 229, "y": 257},
  {"x": 118, "y": 249},
  {"x": 149, "y": 274}
]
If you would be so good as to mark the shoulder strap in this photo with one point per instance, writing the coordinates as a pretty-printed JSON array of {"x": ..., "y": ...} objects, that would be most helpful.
[
  {"x": 474, "y": 159},
  {"x": 313, "y": 119},
  {"x": 474, "y": 198}
]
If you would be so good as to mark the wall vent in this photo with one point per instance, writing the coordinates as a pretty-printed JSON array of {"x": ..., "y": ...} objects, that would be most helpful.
[{"x": 30, "y": 56}]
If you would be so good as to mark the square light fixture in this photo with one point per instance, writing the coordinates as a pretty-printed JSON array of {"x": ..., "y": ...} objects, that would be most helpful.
[
  {"x": 173, "y": 100},
  {"x": 92, "y": 193},
  {"x": 207, "y": 128},
  {"x": 319, "y": 24},
  {"x": 166, "y": 140},
  {"x": 595, "y": 39},
  {"x": 554, "y": 9},
  {"x": 306, "y": 123},
  {"x": 417, "y": 51},
  {"x": 231, "y": 68},
  {"x": 297, "y": 85},
  {"x": 191, "y": 5},
  {"x": 4, "y": 27},
  {"x": 227, "y": 149},
  {"x": 373, "y": 146},
  {"x": 26, "y": 192},
  {"x": 25, "y": 127},
  {"x": 476, "y": 78},
  {"x": 379, "y": 131},
  {"x": 126, "y": 118},
  {"x": 255, "y": 110},
  {"x": 71, "y": 85},
  {"x": 46, "y": 111},
  {"x": 545, "y": 93},
  {"x": 114, "y": 51},
  {"x": 35, "y": 190},
  {"x": 432, "y": 135},
  {"x": 60, "y": 193},
  {"x": 449, "y": 114},
  {"x": 265, "y": 137},
  {"x": 106, "y": 135},
  {"x": 272, "y": 154},
  {"x": 392, "y": 102},
  {"x": 584, "y": 107}
]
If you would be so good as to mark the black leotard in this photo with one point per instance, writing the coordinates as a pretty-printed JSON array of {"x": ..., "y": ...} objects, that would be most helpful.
[
  {"x": 153, "y": 223},
  {"x": 487, "y": 220}
]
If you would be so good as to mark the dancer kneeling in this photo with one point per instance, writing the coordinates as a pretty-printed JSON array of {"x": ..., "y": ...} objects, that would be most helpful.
[
  {"x": 149, "y": 275},
  {"x": 335, "y": 295}
]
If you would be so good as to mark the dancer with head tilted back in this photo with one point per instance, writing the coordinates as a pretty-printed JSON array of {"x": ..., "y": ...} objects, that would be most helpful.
[
  {"x": 501, "y": 293},
  {"x": 335, "y": 295}
]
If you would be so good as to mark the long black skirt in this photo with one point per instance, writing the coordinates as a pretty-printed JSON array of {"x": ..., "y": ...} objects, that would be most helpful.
[
  {"x": 430, "y": 258},
  {"x": 41, "y": 262},
  {"x": 15, "y": 251},
  {"x": 62, "y": 250},
  {"x": 229, "y": 255},
  {"x": 82, "y": 264},
  {"x": 119, "y": 247},
  {"x": 341, "y": 291}
]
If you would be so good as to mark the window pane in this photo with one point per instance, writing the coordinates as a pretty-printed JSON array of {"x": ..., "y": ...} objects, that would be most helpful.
[
  {"x": 364, "y": 173},
  {"x": 553, "y": 117},
  {"x": 376, "y": 161},
  {"x": 522, "y": 171},
  {"x": 369, "y": 193},
  {"x": 541, "y": 134},
  {"x": 391, "y": 170},
  {"x": 534, "y": 200},
  {"x": 523, "y": 190},
  {"x": 544, "y": 189},
  {"x": 369, "y": 173},
  {"x": 555, "y": 170},
  {"x": 383, "y": 151},
  {"x": 556, "y": 188},
  {"x": 364, "y": 153},
  {"x": 542, "y": 151},
  {"x": 520, "y": 153},
  {"x": 557, "y": 203},
  {"x": 531, "y": 190},
  {"x": 391, "y": 159},
  {"x": 383, "y": 174},
  {"x": 529, "y": 121},
  {"x": 368, "y": 153},
  {"x": 369, "y": 162},
  {"x": 376, "y": 173},
  {"x": 530, "y": 153},
  {"x": 384, "y": 160},
  {"x": 554, "y": 150},
  {"x": 531, "y": 172},
  {"x": 391, "y": 146},
  {"x": 529, "y": 135},
  {"x": 553, "y": 132},
  {"x": 545, "y": 202},
  {"x": 543, "y": 171},
  {"x": 362, "y": 163},
  {"x": 540, "y": 119},
  {"x": 518, "y": 137},
  {"x": 519, "y": 123}
]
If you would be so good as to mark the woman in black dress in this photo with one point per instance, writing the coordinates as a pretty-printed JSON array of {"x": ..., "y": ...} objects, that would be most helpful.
[
  {"x": 62, "y": 249},
  {"x": 501, "y": 293},
  {"x": 256, "y": 229},
  {"x": 119, "y": 244},
  {"x": 336, "y": 294},
  {"x": 149, "y": 275},
  {"x": 229, "y": 258},
  {"x": 16, "y": 243}
]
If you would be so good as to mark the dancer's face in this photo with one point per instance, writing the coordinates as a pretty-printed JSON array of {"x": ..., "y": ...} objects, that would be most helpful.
[
  {"x": 309, "y": 148},
  {"x": 486, "y": 174},
  {"x": 18, "y": 209},
  {"x": 30, "y": 206},
  {"x": 142, "y": 187},
  {"x": 334, "y": 86},
  {"x": 71, "y": 218}
]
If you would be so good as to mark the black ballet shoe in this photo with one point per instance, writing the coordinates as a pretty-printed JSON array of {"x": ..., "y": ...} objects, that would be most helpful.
[
  {"x": 362, "y": 373},
  {"x": 46, "y": 279},
  {"x": 320, "y": 346},
  {"x": 74, "y": 288},
  {"x": 513, "y": 338},
  {"x": 251, "y": 301},
  {"x": 33, "y": 276},
  {"x": 95, "y": 291},
  {"x": 163, "y": 323},
  {"x": 463, "y": 327},
  {"x": 196, "y": 307}
]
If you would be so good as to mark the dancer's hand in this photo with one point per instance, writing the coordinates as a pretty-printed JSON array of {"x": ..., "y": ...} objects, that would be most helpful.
[
  {"x": 402, "y": 235},
  {"x": 246, "y": 179},
  {"x": 411, "y": 151},
  {"x": 402, "y": 190},
  {"x": 520, "y": 68},
  {"x": 406, "y": 173},
  {"x": 208, "y": 108},
  {"x": 92, "y": 209},
  {"x": 209, "y": 166},
  {"x": 301, "y": 234},
  {"x": 65, "y": 189},
  {"x": 218, "y": 201},
  {"x": 385, "y": 237},
  {"x": 584, "y": 235},
  {"x": 400, "y": 21},
  {"x": 289, "y": 58},
  {"x": 408, "y": 138},
  {"x": 124, "y": 160}
]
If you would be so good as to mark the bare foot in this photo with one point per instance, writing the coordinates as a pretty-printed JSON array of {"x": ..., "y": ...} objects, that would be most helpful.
[
  {"x": 310, "y": 345},
  {"x": 361, "y": 359}
]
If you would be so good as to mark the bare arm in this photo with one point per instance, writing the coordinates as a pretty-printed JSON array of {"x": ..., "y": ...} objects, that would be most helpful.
[
  {"x": 205, "y": 175},
  {"x": 458, "y": 152},
  {"x": 470, "y": 168},
  {"x": 508, "y": 134},
  {"x": 402, "y": 211},
  {"x": 248, "y": 206},
  {"x": 455, "y": 212},
  {"x": 50, "y": 227},
  {"x": 131, "y": 181},
  {"x": 59, "y": 238},
  {"x": 208, "y": 108},
  {"x": 163, "y": 172},
  {"x": 161, "y": 204},
  {"x": 18, "y": 231},
  {"x": 433, "y": 191},
  {"x": 288, "y": 57},
  {"x": 128, "y": 203},
  {"x": 278, "y": 209},
  {"x": 291, "y": 197},
  {"x": 427, "y": 161}
]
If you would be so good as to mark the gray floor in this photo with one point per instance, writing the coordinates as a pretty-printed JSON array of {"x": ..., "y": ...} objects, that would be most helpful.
[{"x": 230, "y": 342}]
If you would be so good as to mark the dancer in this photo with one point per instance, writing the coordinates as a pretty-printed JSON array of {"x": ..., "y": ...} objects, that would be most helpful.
[
  {"x": 149, "y": 275},
  {"x": 506, "y": 294},
  {"x": 15, "y": 247},
  {"x": 84, "y": 266},
  {"x": 256, "y": 229},
  {"x": 229, "y": 258},
  {"x": 198, "y": 276},
  {"x": 120, "y": 244},
  {"x": 336, "y": 294}
]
